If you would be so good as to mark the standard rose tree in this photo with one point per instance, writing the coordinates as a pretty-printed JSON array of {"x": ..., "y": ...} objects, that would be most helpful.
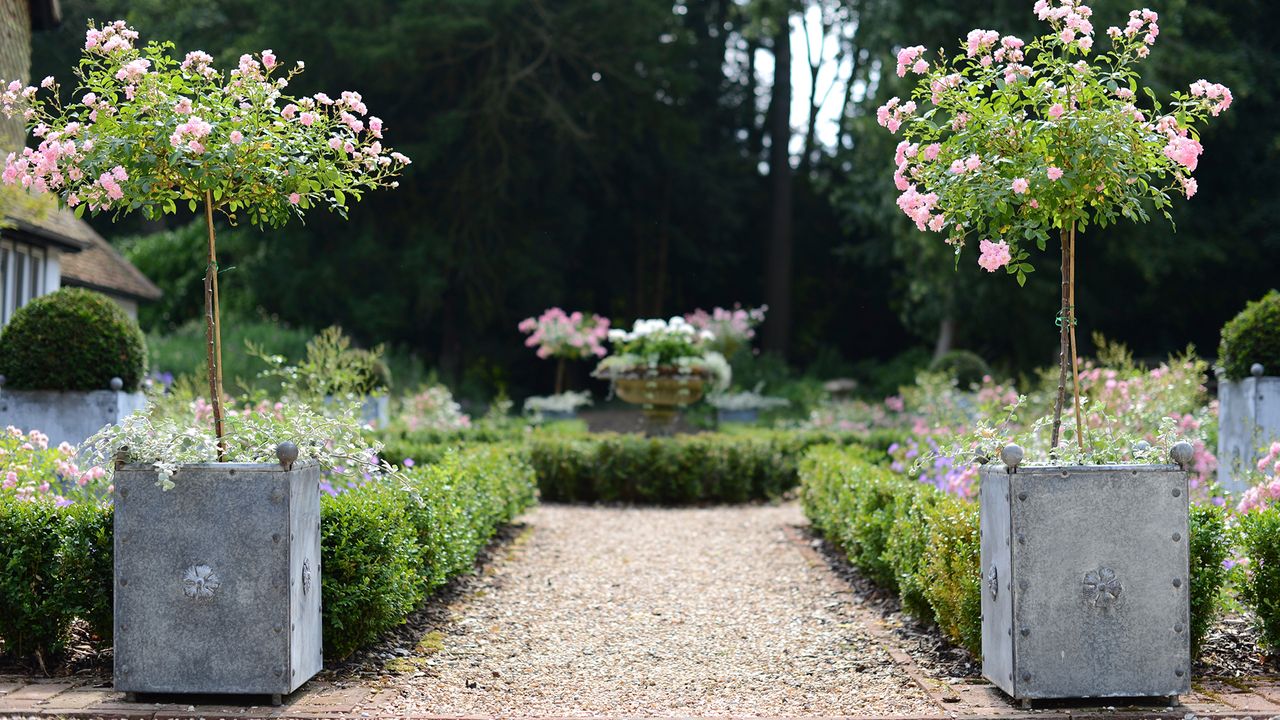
[
  {"x": 565, "y": 336},
  {"x": 1011, "y": 143},
  {"x": 145, "y": 132}
]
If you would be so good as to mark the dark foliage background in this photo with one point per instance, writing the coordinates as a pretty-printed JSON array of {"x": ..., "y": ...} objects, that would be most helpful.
[{"x": 614, "y": 156}]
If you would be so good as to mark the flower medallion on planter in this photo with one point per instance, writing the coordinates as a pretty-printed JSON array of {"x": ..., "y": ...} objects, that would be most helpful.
[
  {"x": 306, "y": 576},
  {"x": 199, "y": 581},
  {"x": 1102, "y": 587}
]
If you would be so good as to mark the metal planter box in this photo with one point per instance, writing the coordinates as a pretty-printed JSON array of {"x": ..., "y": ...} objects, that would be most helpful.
[
  {"x": 1248, "y": 420},
  {"x": 68, "y": 416},
  {"x": 217, "y": 581},
  {"x": 1085, "y": 581}
]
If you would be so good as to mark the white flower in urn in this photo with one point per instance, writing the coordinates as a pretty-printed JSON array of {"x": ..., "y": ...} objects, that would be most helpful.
[{"x": 199, "y": 581}]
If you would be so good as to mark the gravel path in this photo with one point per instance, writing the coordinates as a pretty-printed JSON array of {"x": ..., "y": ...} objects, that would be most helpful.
[{"x": 645, "y": 611}]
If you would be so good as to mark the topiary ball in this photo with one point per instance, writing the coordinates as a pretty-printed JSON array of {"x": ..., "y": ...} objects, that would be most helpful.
[
  {"x": 1251, "y": 337},
  {"x": 72, "y": 339},
  {"x": 966, "y": 367}
]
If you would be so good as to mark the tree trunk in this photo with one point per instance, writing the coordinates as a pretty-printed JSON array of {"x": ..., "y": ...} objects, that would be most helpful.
[
  {"x": 1075, "y": 362},
  {"x": 1064, "y": 341},
  {"x": 755, "y": 128},
  {"x": 946, "y": 336},
  {"x": 559, "y": 375},
  {"x": 213, "y": 329},
  {"x": 777, "y": 331}
]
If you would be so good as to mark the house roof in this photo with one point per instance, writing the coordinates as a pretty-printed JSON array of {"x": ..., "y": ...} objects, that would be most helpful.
[
  {"x": 101, "y": 267},
  {"x": 40, "y": 221}
]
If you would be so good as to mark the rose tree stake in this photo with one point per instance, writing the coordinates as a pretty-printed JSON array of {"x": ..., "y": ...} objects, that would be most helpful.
[
  {"x": 1012, "y": 142},
  {"x": 146, "y": 132}
]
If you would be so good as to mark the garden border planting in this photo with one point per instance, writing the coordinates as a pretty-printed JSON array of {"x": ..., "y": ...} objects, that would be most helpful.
[
  {"x": 924, "y": 544},
  {"x": 384, "y": 549}
]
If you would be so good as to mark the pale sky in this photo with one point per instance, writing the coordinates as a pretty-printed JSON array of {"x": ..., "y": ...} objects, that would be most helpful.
[{"x": 830, "y": 72}]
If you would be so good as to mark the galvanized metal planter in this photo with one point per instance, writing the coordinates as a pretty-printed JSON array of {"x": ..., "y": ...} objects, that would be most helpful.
[
  {"x": 1085, "y": 581},
  {"x": 217, "y": 581},
  {"x": 1248, "y": 420},
  {"x": 67, "y": 416}
]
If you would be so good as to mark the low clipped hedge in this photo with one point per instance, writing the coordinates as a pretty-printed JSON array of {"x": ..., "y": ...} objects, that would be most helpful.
[
  {"x": 1251, "y": 337},
  {"x": 1210, "y": 546},
  {"x": 925, "y": 544},
  {"x": 903, "y": 534},
  {"x": 384, "y": 548},
  {"x": 56, "y": 566},
  {"x": 1260, "y": 585},
  {"x": 72, "y": 339},
  {"x": 609, "y": 467}
]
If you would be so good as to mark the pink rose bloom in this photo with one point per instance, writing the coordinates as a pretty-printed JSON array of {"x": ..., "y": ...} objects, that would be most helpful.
[
  {"x": 931, "y": 152},
  {"x": 236, "y": 137},
  {"x": 183, "y": 107},
  {"x": 295, "y": 198},
  {"x": 957, "y": 167},
  {"x": 268, "y": 59},
  {"x": 1184, "y": 151},
  {"x": 306, "y": 118},
  {"x": 1056, "y": 111},
  {"x": 335, "y": 143},
  {"x": 289, "y": 111},
  {"x": 1053, "y": 173},
  {"x": 1020, "y": 185},
  {"x": 973, "y": 162},
  {"x": 994, "y": 255},
  {"x": 196, "y": 147},
  {"x": 921, "y": 67}
]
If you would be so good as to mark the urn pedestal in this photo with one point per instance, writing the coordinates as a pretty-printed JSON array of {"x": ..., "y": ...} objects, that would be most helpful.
[
  {"x": 661, "y": 398},
  {"x": 1085, "y": 581},
  {"x": 217, "y": 581}
]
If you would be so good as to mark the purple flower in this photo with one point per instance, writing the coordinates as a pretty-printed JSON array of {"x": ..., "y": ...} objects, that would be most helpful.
[{"x": 408, "y": 462}]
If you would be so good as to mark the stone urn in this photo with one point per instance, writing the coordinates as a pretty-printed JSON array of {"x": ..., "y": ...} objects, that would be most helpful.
[
  {"x": 1085, "y": 579},
  {"x": 661, "y": 397},
  {"x": 217, "y": 580}
]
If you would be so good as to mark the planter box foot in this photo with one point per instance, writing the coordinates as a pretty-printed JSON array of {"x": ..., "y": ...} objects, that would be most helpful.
[{"x": 276, "y": 700}]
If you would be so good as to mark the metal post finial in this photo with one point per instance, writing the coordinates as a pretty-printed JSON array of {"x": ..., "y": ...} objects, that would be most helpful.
[
  {"x": 116, "y": 384},
  {"x": 1256, "y": 370},
  {"x": 1182, "y": 453},
  {"x": 1012, "y": 456},
  {"x": 287, "y": 451}
]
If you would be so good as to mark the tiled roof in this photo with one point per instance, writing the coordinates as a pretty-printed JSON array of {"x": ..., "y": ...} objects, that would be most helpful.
[
  {"x": 40, "y": 217},
  {"x": 101, "y": 267}
]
